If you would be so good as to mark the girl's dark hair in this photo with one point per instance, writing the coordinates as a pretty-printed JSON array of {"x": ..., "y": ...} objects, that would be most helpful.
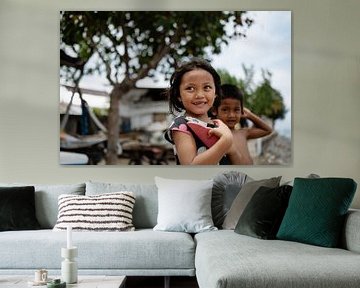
[
  {"x": 230, "y": 91},
  {"x": 173, "y": 93}
]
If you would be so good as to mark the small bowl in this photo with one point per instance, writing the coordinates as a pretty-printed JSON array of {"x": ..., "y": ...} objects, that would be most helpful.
[{"x": 56, "y": 283}]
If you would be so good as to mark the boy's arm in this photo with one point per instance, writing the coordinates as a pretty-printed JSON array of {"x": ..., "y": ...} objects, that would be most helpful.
[{"x": 260, "y": 128}]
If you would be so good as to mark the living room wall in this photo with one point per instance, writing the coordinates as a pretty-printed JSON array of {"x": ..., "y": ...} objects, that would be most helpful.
[{"x": 326, "y": 102}]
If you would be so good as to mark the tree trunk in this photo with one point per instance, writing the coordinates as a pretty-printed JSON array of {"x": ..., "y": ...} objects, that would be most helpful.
[
  {"x": 120, "y": 89},
  {"x": 113, "y": 120}
]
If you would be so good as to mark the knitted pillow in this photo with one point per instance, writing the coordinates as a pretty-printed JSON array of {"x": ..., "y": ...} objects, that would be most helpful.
[
  {"x": 105, "y": 212},
  {"x": 316, "y": 211}
]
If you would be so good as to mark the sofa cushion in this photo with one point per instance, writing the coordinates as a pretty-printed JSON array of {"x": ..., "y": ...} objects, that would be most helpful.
[
  {"x": 225, "y": 259},
  {"x": 350, "y": 239},
  {"x": 184, "y": 205},
  {"x": 226, "y": 186},
  {"x": 263, "y": 214},
  {"x": 46, "y": 200},
  {"x": 17, "y": 208},
  {"x": 142, "y": 251},
  {"x": 105, "y": 212},
  {"x": 146, "y": 205},
  {"x": 243, "y": 198},
  {"x": 316, "y": 211}
]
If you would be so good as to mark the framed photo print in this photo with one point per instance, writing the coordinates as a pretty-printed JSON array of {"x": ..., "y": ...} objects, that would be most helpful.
[{"x": 175, "y": 88}]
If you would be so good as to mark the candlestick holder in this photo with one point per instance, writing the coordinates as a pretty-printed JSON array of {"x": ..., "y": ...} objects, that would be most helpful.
[{"x": 69, "y": 269}]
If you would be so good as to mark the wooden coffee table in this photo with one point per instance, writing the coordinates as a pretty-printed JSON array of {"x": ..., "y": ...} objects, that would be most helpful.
[{"x": 84, "y": 281}]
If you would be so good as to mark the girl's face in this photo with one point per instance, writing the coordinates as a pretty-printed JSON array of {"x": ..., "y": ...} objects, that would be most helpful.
[
  {"x": 197, "y": 93},
  {"x": 229, "y": 112}
]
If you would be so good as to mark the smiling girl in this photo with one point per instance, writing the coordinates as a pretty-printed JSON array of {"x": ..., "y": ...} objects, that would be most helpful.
[{"x": 193, "y": 89}]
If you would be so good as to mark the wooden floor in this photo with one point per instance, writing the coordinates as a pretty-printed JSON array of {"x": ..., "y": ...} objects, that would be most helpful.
[{"x": 158, "y": 282}]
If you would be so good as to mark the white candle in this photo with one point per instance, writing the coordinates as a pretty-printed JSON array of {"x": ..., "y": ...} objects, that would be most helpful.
[{"x": 69, "y": 240}]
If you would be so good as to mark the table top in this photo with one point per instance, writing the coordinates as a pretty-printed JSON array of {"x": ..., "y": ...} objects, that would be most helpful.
[{"x": 84, "y": 281}]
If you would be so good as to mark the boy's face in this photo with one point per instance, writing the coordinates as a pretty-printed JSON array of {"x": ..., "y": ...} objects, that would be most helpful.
[{"x": 229, "y": 112}]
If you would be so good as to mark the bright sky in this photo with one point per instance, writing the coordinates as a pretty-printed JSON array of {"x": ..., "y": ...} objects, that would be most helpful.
[{"x": 267, "y": 46}]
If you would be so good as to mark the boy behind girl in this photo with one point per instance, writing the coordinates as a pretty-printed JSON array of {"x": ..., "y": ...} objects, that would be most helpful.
[{"x": 229, "y": 108}]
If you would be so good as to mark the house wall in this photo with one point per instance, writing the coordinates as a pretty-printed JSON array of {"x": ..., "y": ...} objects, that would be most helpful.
[{"x": 326, "y": 100}]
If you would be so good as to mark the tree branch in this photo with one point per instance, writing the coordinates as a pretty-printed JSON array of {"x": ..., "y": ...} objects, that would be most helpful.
[
  {"x": 75, "y": 62},
  {"x": 107, "y": 67},
  {"x": 159, "y": 55},
  {"x": 125, "y": 57}
]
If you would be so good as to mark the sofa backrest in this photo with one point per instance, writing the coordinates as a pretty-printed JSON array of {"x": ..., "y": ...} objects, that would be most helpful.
[
  {"x": 146, "y": 203},
  {"x": 46, "y": 199},
  {"x": 350, "y": 238}
]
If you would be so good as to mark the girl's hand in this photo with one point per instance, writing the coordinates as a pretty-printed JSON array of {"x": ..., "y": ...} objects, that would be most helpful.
[
  {"x": 187, "y": 150},
  {"x": 222, "y": 131}
]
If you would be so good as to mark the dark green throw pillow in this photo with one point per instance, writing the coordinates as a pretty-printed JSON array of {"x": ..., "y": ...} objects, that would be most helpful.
[
  {"x": 316, "y": 211},
  {"x": 264, "y": 212},
  {"x": 17, "y": 208}
]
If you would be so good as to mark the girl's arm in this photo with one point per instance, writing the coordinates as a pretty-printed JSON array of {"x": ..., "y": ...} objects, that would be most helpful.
[
  {"x": 187, "y": 151},
  {"x": 260, "y": 128}
]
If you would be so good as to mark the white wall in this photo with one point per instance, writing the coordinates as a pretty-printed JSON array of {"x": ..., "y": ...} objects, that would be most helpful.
[{"x": 326, "y": 85}]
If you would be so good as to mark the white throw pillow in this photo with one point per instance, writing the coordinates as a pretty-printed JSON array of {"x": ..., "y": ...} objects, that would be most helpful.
[
  {"x": 104, "y": 212},
  {"x": 184, "y": 205}
]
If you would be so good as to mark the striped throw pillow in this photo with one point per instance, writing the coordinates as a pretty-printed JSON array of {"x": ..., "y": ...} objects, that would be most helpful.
[{"x": 105, "y": 212}]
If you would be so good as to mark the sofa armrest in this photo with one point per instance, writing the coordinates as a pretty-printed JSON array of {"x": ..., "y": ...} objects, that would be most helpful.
[{"x": 351, "y": 232}]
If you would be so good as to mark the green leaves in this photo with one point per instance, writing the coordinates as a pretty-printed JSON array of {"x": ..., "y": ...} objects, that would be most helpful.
[
  {"x": 262, "y": 99},
  {"x": 133, "y": 39},
  {"x": 267, "y": 100}
]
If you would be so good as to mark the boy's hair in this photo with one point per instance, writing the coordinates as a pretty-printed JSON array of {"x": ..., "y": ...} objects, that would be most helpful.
[
  {"x": 173, "y": 93},
  {"x": 232, "y": 92}
]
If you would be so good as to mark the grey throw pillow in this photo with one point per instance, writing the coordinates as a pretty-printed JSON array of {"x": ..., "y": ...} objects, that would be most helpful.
[
  {"x": 242, "y": 199},
  {"x": 184, "y": 205},
  {"x": 226, "y": 187}
]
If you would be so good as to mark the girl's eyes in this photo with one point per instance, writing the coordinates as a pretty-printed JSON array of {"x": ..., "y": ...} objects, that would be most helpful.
[{"x": 206, "y": 88}]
